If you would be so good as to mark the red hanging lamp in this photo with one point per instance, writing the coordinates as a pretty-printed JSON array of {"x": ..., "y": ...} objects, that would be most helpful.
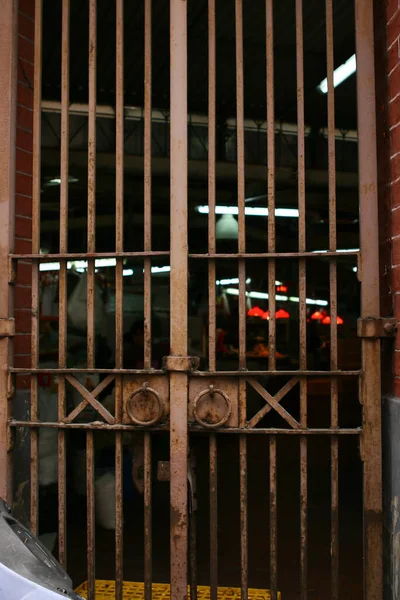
[
  {"x": 256, "y": 311},
  {"x": 327, "y": 320},
  {"x": 317, "y": 316}
]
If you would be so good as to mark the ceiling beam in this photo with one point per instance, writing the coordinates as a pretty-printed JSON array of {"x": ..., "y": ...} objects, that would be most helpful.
[{"x": 198, "y": 170}]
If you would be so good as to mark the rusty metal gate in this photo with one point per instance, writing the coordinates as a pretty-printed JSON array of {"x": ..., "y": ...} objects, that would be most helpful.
[{"x": 180, "y": 398}]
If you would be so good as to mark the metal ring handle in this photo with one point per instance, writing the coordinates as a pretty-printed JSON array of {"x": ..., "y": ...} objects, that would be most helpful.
[
  {"x": 145, "y": 389},
  {"x": 211, "y": 391}
]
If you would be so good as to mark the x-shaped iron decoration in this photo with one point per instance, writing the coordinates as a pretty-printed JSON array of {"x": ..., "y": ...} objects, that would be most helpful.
[
  {"x": 90, "y": 398},
  {"x": 273, "y": 402}
]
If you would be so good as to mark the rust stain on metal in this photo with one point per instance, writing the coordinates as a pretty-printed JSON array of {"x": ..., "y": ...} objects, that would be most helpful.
[
  {"x": 370, "y": 300},
  {"x": 209, "y": 414},
  {"x": 213, "y": 449},
  {"x": 183, "y": 364},
  {"x": 163, "y": 471},
  {"x": 144, "y": 406},
  {"x": 273, "y": 497},
  {"x": 147, "y": 517},
  {"x": 143, "y": 397},
  {"x": 90, "y": 514},
  {"x": 376, "y": 327}
]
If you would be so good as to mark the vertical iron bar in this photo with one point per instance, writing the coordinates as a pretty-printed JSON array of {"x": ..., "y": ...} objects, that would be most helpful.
[
  {"x": 242, "y": 292},
  {"x": 147, "y": 182},
  {"x": 213, "y": 518},
  {"x": 211, "y": 182},
  {"x": 91, "y": 246},
  {"x": 147, "y": 518},
  {"x": 119, "y": 539},
  {"x": 62, "y": 331},
  {"x": 243, "y": 506},
  {"x": 193, "y": 555},
  {"x": 370, "y": 305},
  {"x": 37, "y": 98},
  {"x": 90, "y": 514},
  {"x": 179, "y": 300},
  {"x": 119, "y": 238},
  {"x": 333, "y": 305},
  {"x": 212, "y": 323},
  {"x": 147, "y": 289},
  {"x": 271, "y": 286},
  {"x": 271, "y": 182},
  {"x": 8, "y": 79},
  {"x": 91, "y": 233},
  {"x": 302, "y": 293},
  {"x": 273, "y": 520}
]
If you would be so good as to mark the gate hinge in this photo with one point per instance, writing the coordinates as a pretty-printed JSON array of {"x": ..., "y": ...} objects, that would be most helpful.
[
  {"x": 7, "y": 328},
  {"x": 183, "y": 364},
  {"x": 376, "y": 327}
]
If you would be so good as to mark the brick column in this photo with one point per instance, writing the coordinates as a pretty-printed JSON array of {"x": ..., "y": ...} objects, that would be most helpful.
[
  {"x": 23, "y": 244},
  {"x": 23, "y": 201},
  {"x": 393, "y": 183},
  {"x": 387, "y": 41}
]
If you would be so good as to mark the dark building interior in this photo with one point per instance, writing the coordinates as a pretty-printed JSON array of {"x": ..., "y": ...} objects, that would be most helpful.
[{"x": 287, "y": 272}]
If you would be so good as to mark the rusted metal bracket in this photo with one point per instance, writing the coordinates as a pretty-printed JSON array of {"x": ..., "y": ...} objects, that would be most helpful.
[
  {"x": 182, "y": 364},
  {"x": 10, "y": 438},
  {"x": 376, "y": 328},
  {"x": 163, "y": 470},
  {"x": 10, "y": 385},
  {"x": 7, "y": 328},
  {"x": 12, "y": 270},
  {"x": 164, "y": 474}
]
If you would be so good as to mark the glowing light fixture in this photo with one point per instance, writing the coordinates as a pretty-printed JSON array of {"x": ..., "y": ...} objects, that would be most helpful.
[
  {"x": 57, "y": 180},
  {"x": 227, "y": 228},
  {"x": 317, "y": 316},
  {"x": 81, "y": 265},
  {"x": 342, "y": 250},
  {"x": 340, "y": 74},
  {"x": 327, "y": 320},
  {"x": 264, "y": 296},
  {"x": 54, "y": 266},
  {"x": 254, "y": 211},
  {"x": 282, "y": 314},
  {"x": 165, "y": 269},
  {"x": 256, "y": 311},
  {"x": 310, "y": 301},
  {"x": 233, "y": 281}
]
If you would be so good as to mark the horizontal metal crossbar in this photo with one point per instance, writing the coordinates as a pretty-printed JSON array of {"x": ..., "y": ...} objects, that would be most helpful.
[
  {"x": 243, "y": 373},
  {"x": 101, "y": 426}
]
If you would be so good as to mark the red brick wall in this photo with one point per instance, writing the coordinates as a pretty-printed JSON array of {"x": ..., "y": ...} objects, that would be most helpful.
[
  {"x": 387, "y": 51},
  {"x": 23, "y": 200}
]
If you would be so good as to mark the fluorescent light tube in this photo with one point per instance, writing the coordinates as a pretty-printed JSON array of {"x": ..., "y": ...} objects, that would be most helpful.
[
  {"x": 309, "y": 301},
  {"x": 165, "y": 269},
  {"x": 264, "y": 296},
  {"x": 51, "y": 266},
  {"x": 341, "y": 250},
  {"x": 234, "y": 281},
  {"x": 340, "y": 74},
  {"x": 254, "y": 211}
]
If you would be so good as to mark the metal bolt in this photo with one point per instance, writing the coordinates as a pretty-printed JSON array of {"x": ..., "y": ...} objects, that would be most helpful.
[{"x": 389, "y": 327}]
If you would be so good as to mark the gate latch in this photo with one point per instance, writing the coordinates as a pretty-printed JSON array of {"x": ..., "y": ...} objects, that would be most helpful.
[
  {"x": 376, "y": 327},
  {"x": 7, "y": 328}
]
